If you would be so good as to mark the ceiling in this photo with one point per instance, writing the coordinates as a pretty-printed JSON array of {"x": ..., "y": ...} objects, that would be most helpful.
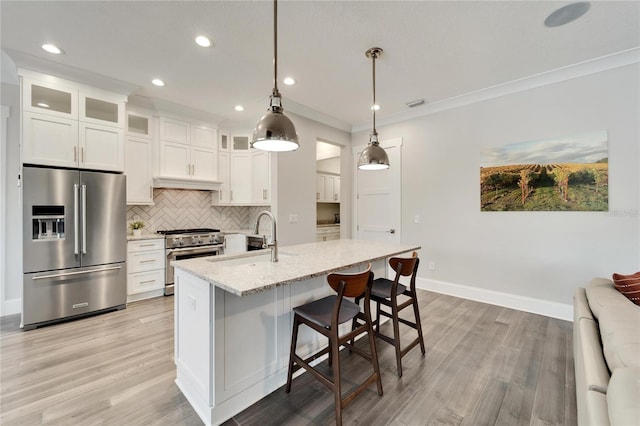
[{"x": 434, "y": 50}]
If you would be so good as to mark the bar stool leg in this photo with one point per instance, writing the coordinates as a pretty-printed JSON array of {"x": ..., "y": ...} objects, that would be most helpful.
[
  {"x": 294, "y": 341},
  {"x": 396, "y": 334},
  {"x": 416, "y": 312},
  {"x": 374, "y": 355},
  {"x": 337, "y": 388}
]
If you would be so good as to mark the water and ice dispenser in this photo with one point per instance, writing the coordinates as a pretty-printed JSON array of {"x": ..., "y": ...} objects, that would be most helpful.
[{"x": 47, "y": 223}]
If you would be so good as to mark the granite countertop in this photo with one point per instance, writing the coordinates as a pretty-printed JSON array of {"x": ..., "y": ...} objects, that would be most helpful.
[
  {"x": 238, "y": 275},
  {"x": 145, "y": 236}
]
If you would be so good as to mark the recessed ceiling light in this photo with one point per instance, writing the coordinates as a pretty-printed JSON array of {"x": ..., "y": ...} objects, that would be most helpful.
[
  {"x": 157, "y": 82},
  {"x": 289, "y": 81},
  {"x": 238, "y": 108},
  {"x": 42, "y": 105},
  {"x": 203, "y": 41},
  {"x": 376, "y": 107},
  {"x": 52, "y": 49},
  {"x": 566, "y": 14}
]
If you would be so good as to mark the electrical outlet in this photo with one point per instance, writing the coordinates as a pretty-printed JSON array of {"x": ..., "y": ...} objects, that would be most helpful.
[
  {"x": 432, "y": 266},
  {"x": 293, "y": 218}
]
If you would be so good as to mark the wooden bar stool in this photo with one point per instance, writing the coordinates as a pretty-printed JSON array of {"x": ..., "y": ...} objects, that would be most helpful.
[
  {"x": 385, "y": 292},
  {"x": 324, "y": 316}
]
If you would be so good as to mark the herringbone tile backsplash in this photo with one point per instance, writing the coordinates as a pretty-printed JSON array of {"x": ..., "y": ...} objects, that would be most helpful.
[{"x": 183, "y": 209}]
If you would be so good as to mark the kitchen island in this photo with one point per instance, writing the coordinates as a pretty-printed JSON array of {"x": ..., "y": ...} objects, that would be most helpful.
[{"x": 233, "y": 317}]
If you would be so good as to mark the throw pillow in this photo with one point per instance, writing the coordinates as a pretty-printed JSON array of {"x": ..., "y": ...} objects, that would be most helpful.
[{"x": 629, "y": 285}]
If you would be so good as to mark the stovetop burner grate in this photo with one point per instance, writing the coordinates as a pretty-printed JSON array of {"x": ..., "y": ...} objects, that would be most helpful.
[{"x": 188, "y": 231}]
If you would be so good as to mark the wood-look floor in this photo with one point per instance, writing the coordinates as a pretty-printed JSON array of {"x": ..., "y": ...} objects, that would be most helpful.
[{"x": 485, "y": 365}]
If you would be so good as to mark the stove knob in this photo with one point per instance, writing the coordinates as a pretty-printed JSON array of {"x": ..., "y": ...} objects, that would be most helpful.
[
  {"x": 174, "y": 242},
  {"x": 212, "y": 239},
  {"x": 198, "y": 241},
  {"x": 181, "y": 243}
]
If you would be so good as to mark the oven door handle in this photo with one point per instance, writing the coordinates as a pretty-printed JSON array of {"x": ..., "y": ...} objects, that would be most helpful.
[{"x": 192, "y": 250}]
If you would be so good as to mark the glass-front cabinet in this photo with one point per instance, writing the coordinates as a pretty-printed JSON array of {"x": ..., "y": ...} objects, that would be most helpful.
[{"x": 71, "y": 125}]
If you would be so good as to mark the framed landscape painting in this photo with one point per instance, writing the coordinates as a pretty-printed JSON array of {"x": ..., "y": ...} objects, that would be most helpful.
[{"x": 568, "y": 173}]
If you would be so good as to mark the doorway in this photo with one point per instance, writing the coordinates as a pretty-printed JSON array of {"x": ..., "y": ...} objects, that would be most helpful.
[
  {"x": 328, "y": 190},
  {"x": 378, "y": 197}
]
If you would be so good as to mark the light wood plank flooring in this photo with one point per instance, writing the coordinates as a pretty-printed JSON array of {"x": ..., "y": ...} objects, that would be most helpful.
[{"x": 485, "y": 365}]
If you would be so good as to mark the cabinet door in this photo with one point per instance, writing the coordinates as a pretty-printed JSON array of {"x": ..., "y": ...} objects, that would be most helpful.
[
  {"x": 240, "y": 178},
  {"x": 328, "y": 188},
  {"x": 100, "y": 107},
  {"x": 50, "y": 99},
  {"x": 174, "y": 160},
  {"x": 261, "y": 177},
  {"x": 203, "y": 137},
  {"x": 336, "y": 189},
  {"x": 223, "y": 195},
  {"x": 139, "y": 125},
  {"x": 224, "y": 142},
  {"x": 138, "y": 170},
  {"x": 240, "y": 142},
  {"x": 49, "y": 140},
  {"x": 101, "y": 147},
  {"x": 204, "y": 163},
  {"x": 176, "y": 131},
  {"x": 319, "y": 188}
]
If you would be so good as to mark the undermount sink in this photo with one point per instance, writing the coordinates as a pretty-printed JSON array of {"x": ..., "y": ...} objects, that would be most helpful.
[{"x": 261, "y": 257}]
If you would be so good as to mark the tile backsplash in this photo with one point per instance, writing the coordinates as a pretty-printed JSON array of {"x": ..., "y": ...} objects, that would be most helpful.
[{"x": 182, "y": 209}]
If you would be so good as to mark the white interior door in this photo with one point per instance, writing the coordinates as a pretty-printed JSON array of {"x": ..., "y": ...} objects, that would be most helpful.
[{"x": 378, "y": 197}]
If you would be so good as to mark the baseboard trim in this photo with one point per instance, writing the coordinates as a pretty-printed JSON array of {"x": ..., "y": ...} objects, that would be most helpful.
[
  {"x": 11, "y": 307},
  {"x": 521, "y": 303}
]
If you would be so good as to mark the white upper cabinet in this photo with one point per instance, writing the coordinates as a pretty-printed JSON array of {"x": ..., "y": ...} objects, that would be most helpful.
[
  {"x": 138, "y": 158},
  {"x": 245, "y": 173},
  {"x": 71, "y": 125},
  {"x": 188, "y": 155},
  {"x": 327, "y": 188},
  {"x": 261, "y": 177}
]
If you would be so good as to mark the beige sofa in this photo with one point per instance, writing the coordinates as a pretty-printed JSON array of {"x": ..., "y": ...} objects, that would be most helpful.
[{"x": 606, "y": 349}]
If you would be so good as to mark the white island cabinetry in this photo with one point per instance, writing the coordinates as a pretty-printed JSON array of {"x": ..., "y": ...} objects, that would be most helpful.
[{"x": 233, "y": 318}]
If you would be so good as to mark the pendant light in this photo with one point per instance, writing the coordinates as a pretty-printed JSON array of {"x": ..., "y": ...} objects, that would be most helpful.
[
  {"x": 373, "y": 157},
  {"x": 274, "y": 131}
]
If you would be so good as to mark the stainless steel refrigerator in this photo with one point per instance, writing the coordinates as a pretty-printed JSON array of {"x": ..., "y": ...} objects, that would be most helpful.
[{"x": 74, "y": 244}]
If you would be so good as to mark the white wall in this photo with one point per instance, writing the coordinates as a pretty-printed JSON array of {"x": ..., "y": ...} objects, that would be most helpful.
[
  {"x": 12, "y": 294},
  {"x": 538, "y": 255},
  {"x": 295, "y": 177}
]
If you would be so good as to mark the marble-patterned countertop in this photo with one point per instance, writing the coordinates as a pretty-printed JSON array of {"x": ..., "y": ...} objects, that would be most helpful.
[
  {"x": 145, "y": 236},
  {"x": 241, "y": 275}
]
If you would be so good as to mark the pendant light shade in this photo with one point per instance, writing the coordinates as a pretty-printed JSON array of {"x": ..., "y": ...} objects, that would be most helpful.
[
  {"x": 373, "y": 157},
  {"x": 274, "y": 131}
]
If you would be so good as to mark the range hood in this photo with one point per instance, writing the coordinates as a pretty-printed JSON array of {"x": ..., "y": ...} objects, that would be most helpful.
[{"x": 186, "y": 183}]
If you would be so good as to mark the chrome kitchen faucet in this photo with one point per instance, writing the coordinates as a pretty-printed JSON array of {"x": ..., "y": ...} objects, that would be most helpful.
[{"x": 274, "y": 241}]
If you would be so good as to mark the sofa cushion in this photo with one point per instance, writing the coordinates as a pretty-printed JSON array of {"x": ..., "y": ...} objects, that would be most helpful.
[
  {"x": 590, "y": 368},
  {"x": 620, "y": 334},
  {"x": 623, "y": 397},
  {"x": 600, "y": 293},
  {"x": 596, "y": 410},
  {"x": 629, "y": 285}
]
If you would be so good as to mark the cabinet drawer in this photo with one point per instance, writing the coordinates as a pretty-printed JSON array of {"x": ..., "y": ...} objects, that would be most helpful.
[
  {"x": 145, "y": 245},
  {"x": 145, "y": 261},
  {"x": 145, "y": 281}
]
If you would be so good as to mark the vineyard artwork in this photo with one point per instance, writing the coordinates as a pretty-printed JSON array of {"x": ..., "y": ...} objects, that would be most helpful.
[{"x": 569, "y": 173}]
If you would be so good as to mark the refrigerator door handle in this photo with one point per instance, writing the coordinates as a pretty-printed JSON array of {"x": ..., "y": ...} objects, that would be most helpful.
[
  {"x": 75, "y": 219},
  {"x": 66, "y": 274},
  {"x": 84, "y": 219}
]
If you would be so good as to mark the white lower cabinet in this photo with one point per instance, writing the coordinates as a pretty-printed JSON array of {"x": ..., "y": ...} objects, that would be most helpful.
[{"x": 145, "y": 269}]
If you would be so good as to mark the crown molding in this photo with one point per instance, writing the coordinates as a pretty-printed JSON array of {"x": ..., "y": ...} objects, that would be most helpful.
[{"x": 581, "y": 69}]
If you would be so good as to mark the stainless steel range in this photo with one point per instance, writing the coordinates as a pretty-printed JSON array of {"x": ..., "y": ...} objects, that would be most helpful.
[{"x": 189, "y": 243}]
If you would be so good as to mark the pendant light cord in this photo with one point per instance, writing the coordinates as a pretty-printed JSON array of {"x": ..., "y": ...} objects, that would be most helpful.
[
  {"x": 373, "y": 107},
  {"x": 275, "y": 48}
]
